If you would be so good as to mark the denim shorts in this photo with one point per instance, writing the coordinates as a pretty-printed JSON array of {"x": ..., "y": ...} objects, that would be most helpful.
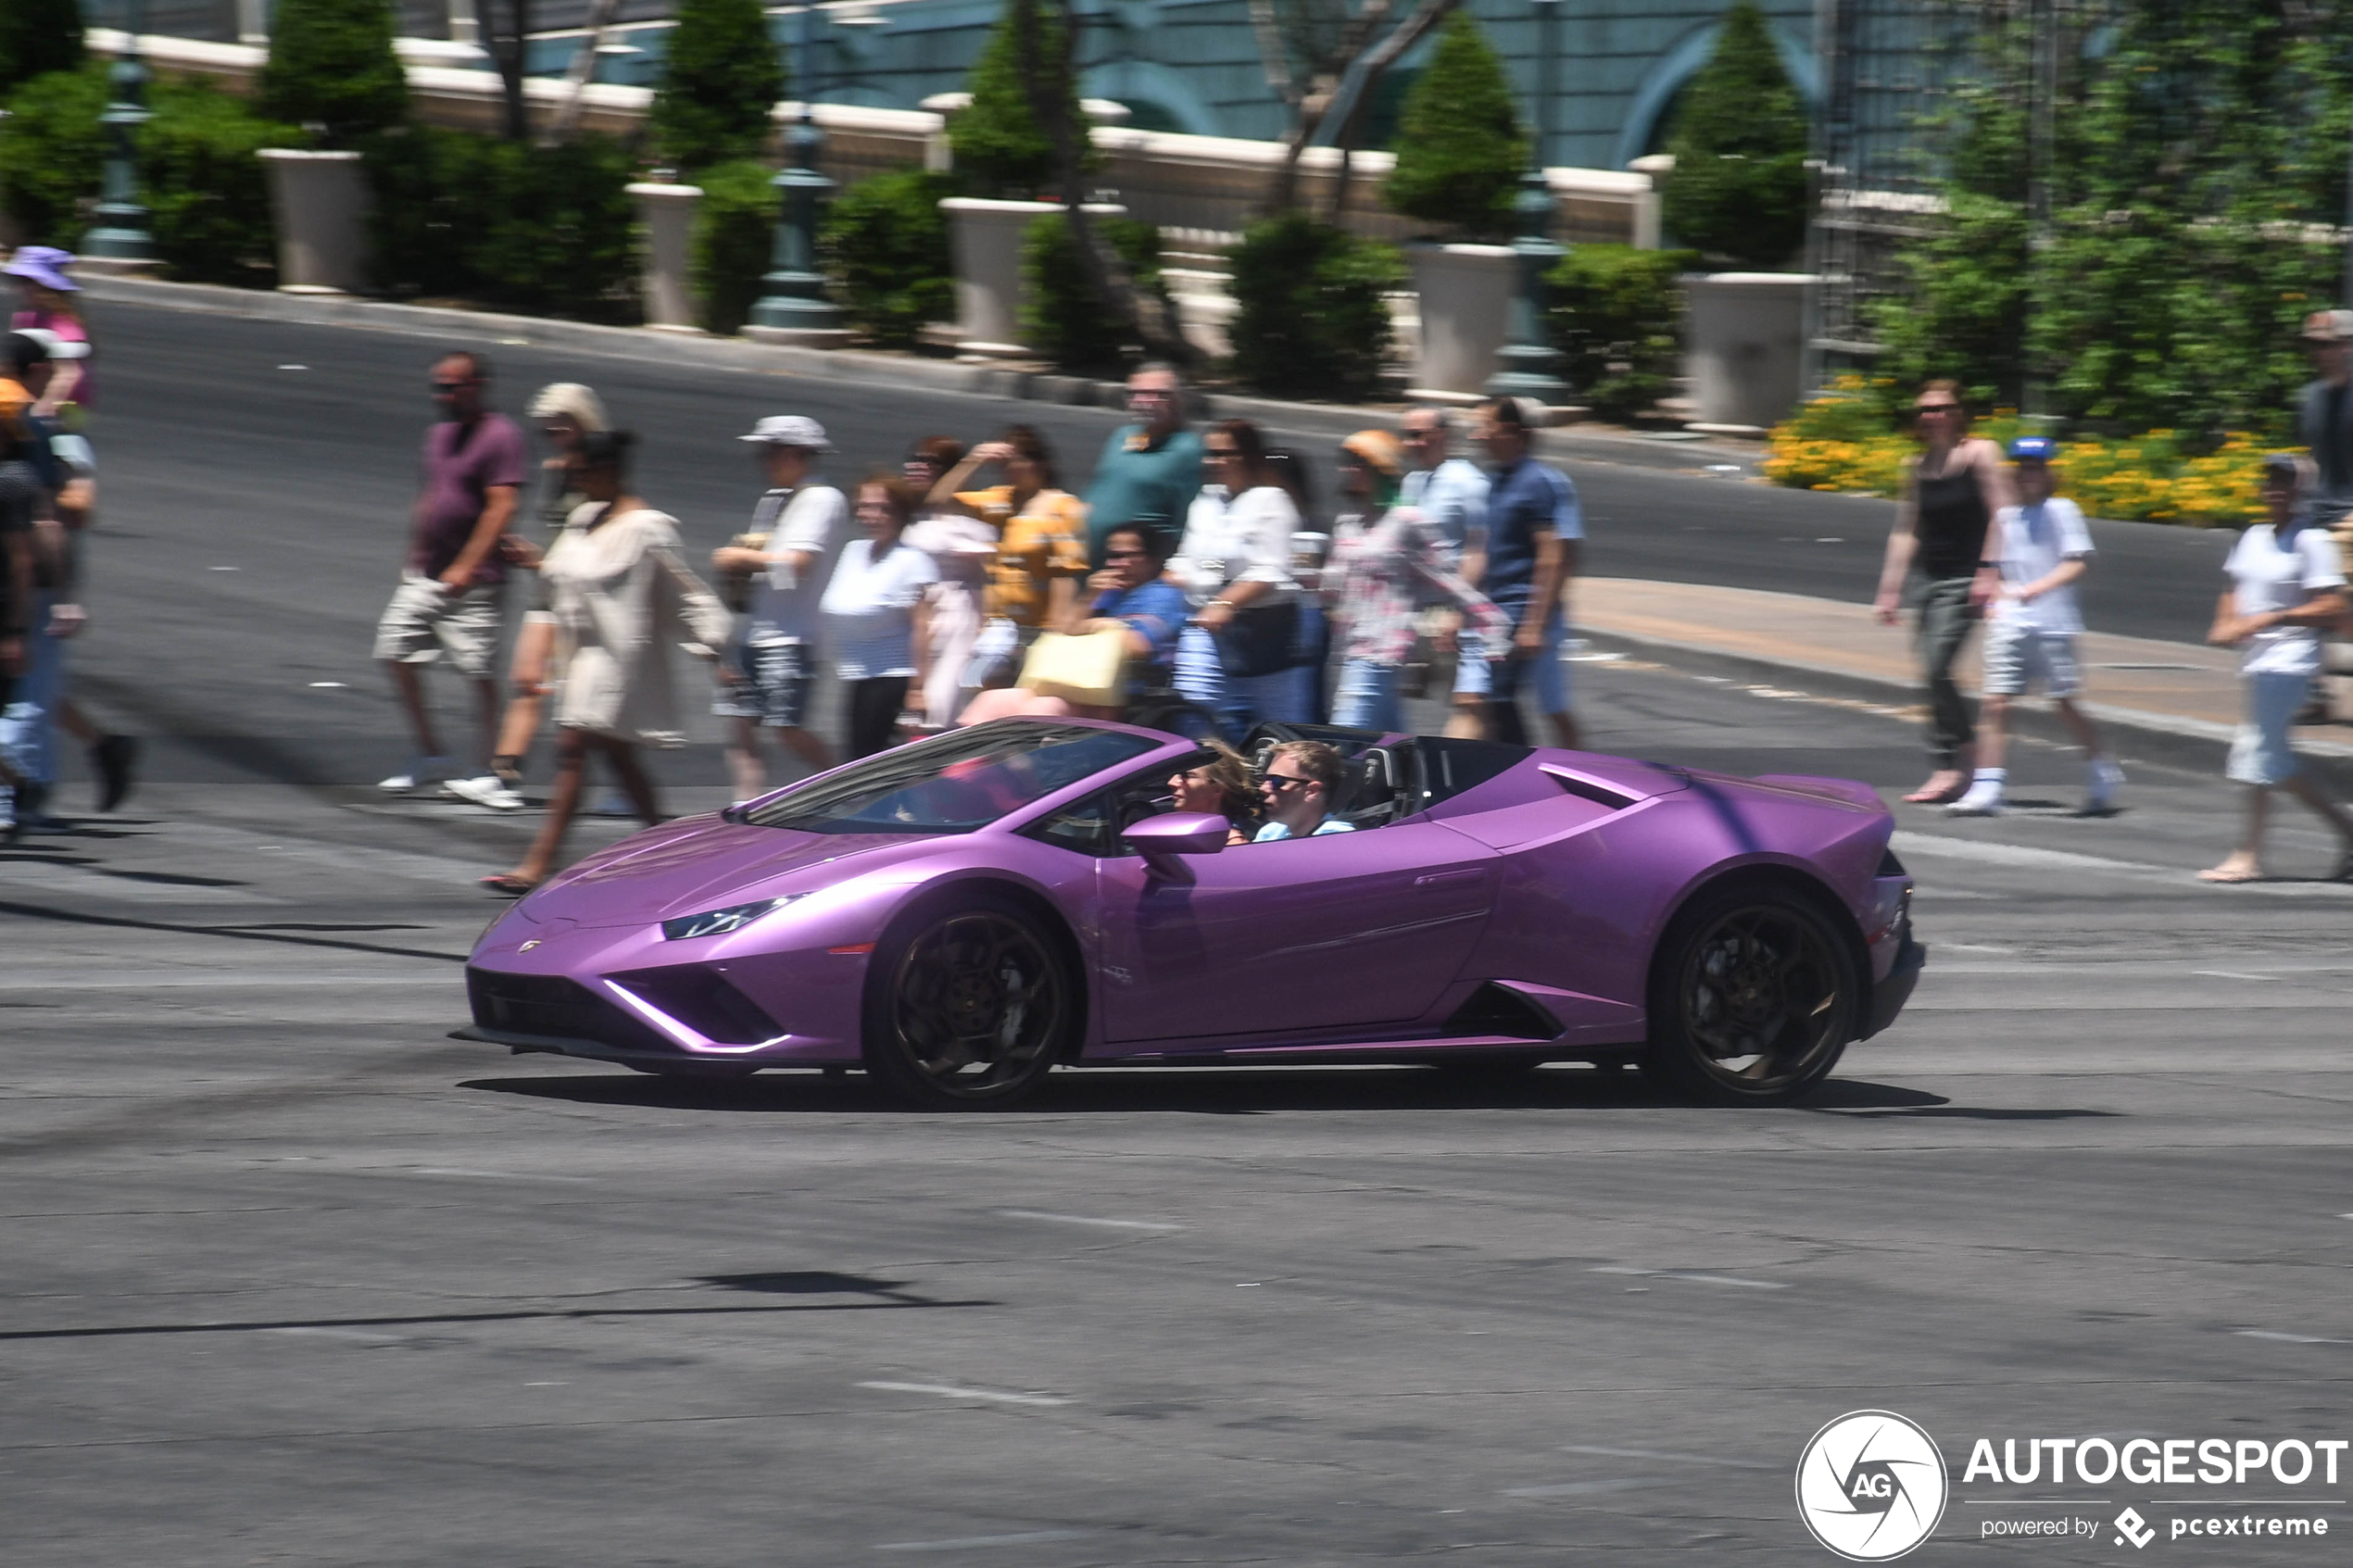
[
  {"x": 2260, "y": 752},
  {"x": 773, "y": 685}
]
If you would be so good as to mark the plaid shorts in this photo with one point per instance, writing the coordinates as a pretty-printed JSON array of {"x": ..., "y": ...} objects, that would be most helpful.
[{"x": 773, "y": 685}]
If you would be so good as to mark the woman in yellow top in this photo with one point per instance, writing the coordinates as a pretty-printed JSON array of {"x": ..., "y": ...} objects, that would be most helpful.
[{"x": 1041, "y": 550}]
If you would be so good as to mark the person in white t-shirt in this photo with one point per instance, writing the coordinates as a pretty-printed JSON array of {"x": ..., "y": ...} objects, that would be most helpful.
[
  {"x": 874, "y": 614},
  {"x": 2042, "y": 550},
  {"x": 1238, "y": 659},
  {"x": 771, "y": 669},
  {"x": 2287, "y": 585}
]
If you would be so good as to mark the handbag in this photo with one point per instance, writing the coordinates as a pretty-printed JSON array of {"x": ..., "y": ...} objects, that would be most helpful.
[
  {"x": 1087, "y": 670},
  {"x": 1259, "y": 640}
]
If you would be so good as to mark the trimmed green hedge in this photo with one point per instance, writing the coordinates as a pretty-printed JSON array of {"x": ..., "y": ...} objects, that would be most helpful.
[
  {"x": 544, "y": 229},
  {"x": 1312, "y": 319},
  {"x": 734, "y": 231},
  {"x": 1616, "y": 315},
  {"x": 720, "y": 81},
  {"x": 885, "y": 244},
  {"x": 1060, "y": 316},
  {"x": 332, "y": 65},
  {"x": 199, "y": 174},
  {"x": 37, "y": 37}
]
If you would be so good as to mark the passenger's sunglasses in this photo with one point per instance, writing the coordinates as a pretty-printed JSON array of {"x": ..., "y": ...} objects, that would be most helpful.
[
  {"x": 441, "y": 386},
  {"x": 1280, "y": 781}
]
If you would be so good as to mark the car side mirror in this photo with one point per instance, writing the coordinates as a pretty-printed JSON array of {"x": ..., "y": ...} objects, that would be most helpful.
[{"x": 1160, "y": 839}]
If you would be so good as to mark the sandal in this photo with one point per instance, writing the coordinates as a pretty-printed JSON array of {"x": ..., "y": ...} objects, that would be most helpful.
[
  {"x": 508, "y": 885},
  {"x": 1934, "y": 794},
  {"x": 2217, "y": 874}
]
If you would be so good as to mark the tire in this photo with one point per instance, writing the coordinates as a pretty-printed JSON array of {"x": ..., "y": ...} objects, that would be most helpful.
[
  {"x": 968, "y": 1004},
  {"x": 1754, "y": 994}
]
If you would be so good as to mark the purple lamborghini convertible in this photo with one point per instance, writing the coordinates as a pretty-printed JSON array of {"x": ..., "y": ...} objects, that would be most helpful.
[{"x": 959, "y": 915}]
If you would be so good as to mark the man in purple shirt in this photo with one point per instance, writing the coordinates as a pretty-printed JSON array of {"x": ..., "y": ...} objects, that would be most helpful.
[{"x": 449, "y": 600}]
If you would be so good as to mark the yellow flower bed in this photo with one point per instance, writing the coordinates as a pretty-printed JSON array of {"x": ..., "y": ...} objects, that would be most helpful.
[{"x": 1841, "y": 443}]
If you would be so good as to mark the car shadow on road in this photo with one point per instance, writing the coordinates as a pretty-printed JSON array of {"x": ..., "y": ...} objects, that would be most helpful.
[{"x": 1214, "y": 1091}]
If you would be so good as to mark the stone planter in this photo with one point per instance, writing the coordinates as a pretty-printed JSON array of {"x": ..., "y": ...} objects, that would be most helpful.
[
  {"x": 1746, "y": 347},
  {"x": 1464, "y": 300},
  {"x": 320, "y": 203},
  {"x": 667, "y": 215},
  {"x": 985, "y": 239}
]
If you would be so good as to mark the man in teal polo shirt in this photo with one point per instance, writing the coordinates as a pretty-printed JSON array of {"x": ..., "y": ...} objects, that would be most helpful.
[{"x": 1150, "y": 470}]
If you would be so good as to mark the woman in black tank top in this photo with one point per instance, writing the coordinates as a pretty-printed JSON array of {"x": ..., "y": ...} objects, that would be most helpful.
[{"x": 1951, "y": 493}]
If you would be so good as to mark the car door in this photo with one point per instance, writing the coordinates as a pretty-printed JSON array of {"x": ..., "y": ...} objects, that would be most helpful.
[{"x": 1349, "y": 929}]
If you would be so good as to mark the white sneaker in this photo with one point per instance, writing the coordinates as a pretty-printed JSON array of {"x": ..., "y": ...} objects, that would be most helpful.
[
  {"x": 2099, "y": 793},
  {"x": 1983, "y": 799},
  {"x": 420, "y": 772},
  {"x": 488, "y": 790}
]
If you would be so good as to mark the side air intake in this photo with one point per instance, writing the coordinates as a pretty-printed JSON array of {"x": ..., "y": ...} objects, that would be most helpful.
[{"x": 1498, "y": 1009}]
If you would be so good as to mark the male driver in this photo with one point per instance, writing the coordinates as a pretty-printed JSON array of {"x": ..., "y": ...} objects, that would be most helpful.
[
  {"x": 1452, "y": 494},
  {"x": 1533, "y": 531},
  {"x": 1303, "y": 780},
  {"x": 771, "y": 669},
  {"x": 448, "y": 597},
  {"x": 1150, "y": 470},
  {"x": 2043, "y": 550},
  {"x": 2324, "y": 422}
]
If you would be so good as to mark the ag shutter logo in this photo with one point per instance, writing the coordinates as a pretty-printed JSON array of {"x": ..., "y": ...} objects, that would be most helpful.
[
  {"x": 1870, "y": 1486},
  {"x": 2131, "y": 1527}
]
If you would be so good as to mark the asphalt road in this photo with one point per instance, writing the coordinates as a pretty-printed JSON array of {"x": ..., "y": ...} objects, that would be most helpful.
[
  {"x": 258, "y": 478},
  {"x": 293, "y": 1278}
]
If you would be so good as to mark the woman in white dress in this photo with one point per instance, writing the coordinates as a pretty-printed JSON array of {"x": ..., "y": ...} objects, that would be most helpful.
[
  {"x": 1236, "y": 657},
  {"x": 621, "y": 594},
  {"x": 962, "y": 548}
]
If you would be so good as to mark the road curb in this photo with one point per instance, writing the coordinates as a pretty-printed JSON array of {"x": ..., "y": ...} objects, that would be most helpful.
[
  {"x": 2155, "y": 738},
  {"x": 860, "y": 368}
]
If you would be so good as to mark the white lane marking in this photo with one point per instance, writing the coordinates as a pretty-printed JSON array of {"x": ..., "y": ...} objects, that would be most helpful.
[
  {"x": 323, "y": 686},
  {"x": 468, "y": 1170},
  {"x": 1025, "y": 1538},
  {"x": 2232, "y": 975},
  {"x": 224, "y": 568},
  {"x": 1695, "y": 1278},
  {"x": 949, "y": 1391},
  {"x": 1977, "y": 948},
  {"x": 547, "y": 1385},
  {"x": 294, "y": 367},
  {"x": 1086, "y": 1220},
  {"x": 2288, "y": 1339},
  {"x": 1986, "y": 852},
  {"x": 1585, "y": 1488},
  {"x": 1671, "y": 1459}
]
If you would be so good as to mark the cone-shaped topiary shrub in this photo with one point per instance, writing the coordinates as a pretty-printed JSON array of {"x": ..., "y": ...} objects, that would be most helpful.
[
  {"x": 1737, "y": 192},
  {"x": 1000, "y": 149},
  {"x": 719, "y": 84},
  {"x": 331, "y": 67},
  {"x": 1460, "y": 149}
]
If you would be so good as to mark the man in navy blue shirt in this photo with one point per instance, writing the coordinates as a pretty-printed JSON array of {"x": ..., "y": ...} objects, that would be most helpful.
[{"x": 1533, "y": 532}]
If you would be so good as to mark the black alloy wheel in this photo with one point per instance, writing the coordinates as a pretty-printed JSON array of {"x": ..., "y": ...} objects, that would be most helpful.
[
  {"x": 1753, "y": 996},
  {"x": 968, "y": 1006}
]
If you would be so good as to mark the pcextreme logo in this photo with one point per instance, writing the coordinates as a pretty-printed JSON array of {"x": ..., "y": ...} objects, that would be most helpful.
[{"x": 1870, "y": 1486}]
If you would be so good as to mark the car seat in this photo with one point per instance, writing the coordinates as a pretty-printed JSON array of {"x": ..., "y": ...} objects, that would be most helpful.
[{"x": 1368, "y": 792}]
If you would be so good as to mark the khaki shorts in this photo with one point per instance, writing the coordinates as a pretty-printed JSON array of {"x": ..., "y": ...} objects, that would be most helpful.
[{"x": 425, "y": 621}]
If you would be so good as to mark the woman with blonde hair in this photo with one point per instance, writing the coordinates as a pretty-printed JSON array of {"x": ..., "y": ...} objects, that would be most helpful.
[{"x": 565, "y": 412}]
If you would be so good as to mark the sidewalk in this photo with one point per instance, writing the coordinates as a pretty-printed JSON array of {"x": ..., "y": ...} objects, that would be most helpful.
[{"x": 2172, "y": 702}]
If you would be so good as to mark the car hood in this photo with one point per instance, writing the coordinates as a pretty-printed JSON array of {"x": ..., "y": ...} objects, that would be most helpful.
[{"x": 687, "y": 867}]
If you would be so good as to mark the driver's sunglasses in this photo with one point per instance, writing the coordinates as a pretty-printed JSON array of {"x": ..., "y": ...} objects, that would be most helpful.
[
  {"x": 1926, "y": 408},
  {"x": 1279, "y": 782},
  {"x": 441, "y": 386},
  {"x": 1218, "y": 454}
]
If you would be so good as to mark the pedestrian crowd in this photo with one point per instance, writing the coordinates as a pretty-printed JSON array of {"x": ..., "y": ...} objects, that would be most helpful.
[
  {"x": 1190, "y": 586},
  {"x": 1978, "y": 539}
]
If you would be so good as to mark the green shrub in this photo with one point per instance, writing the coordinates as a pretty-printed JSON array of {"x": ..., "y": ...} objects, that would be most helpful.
[
  {"x": 1738, "y": 191},
  {"x": 720, "y": 82},
  {"x": 1060, "y": 316},
  {"x": 734, "y": 231},
  {"x": 1460, "y": 149},
  {"x": 885, "y": 244},
  {"x": 332, "y": 66},
  {"x": 547, "y": 229},
  {"x": 1617, "y": 316},
  {"x": 1313, "y": 319},
  {"x": 206, "y": 186},
  {"x": 1000, "y": 149},
  {"x": 51, "y": 149},
  {"x": 37, "y": 37}
]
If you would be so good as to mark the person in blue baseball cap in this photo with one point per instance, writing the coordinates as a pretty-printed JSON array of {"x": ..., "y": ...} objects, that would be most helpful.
[{"x": 2042, "y": 551}]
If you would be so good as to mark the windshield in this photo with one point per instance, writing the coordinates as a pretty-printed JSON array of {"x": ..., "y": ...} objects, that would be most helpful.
[{"x": 952, "y": 782}]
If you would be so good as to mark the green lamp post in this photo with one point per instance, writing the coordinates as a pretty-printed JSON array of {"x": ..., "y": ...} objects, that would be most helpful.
[
  {"x": 792, "y": 297},
  {"x": 1529, "y": 366},
  {"x": 122, "y": 233}
]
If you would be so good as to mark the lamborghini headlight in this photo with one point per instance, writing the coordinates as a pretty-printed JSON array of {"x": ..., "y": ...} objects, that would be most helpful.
[{"x": 718, "y": 922}]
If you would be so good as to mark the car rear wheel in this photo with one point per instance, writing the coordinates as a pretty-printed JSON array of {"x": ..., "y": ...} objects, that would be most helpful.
[
  {"x": 967, "y": 1004},
  {"x": 1754, "y": 995}
]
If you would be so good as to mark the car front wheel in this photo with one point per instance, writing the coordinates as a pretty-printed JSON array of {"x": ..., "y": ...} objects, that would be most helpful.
[
  {"x": 1754, "y": 995},
  {"x": 967, "y": 1004}
]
